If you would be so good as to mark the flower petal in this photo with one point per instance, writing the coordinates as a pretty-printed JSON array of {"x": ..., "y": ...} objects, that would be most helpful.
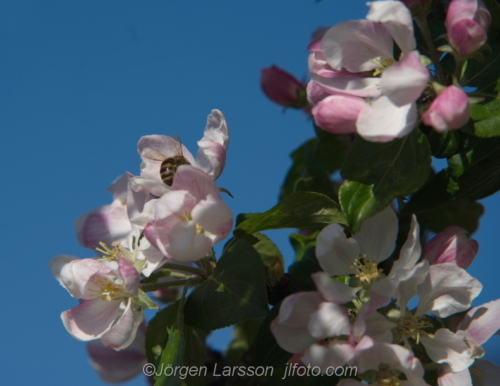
[
  {"x": 332, "y": 290},
  {"x": 338, "y": 113},
  {"x": 482, "y": 322},
  {"x": 129, "y": 275},
  {"x": 91, "y": 319},
  {"x": 329, "y": 320},
  {"x": 123, "y": 332}
]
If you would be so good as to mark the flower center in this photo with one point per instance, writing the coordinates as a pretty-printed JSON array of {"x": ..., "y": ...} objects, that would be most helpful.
[
  {"x": 385, "y": 377},
  {"x": 413, "y": 327},
  {"x": 382, "y": 64},
  {"x": 369, "y": 273},
  {"x": 111, "y": 254},
  {"x": 108, "y": 290}
]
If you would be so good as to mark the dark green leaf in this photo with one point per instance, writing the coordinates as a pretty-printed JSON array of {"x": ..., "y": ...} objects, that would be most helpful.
[
  {"x": 157, "y": 335},
  {"x": 298, "y": 210},
  {"x": 271, "y": 257},
  {"x": 268, "y": 352},
  {"x": 444, "y": 145},
  {"x": 463, "y": 213},
  {"x": 382, "y": 172},
  {"x": 301, "y": 271},
  {"x": 234, "y": 293},
  {"x": 243, "y": 337},
  {"x": 487, "y": 119},
  {"x": 301, "y": 242}
]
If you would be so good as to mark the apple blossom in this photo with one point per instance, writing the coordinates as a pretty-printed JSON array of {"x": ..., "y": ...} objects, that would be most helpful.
[
  {"x": 191, "y": 218},
  {"x": 119, "y": 366},
  {"x": 467, "y": 23},
  {"x": 451, "y": 245},
  {"x": 450, "y": 110},
  {"x": 351, "y": 49},
  {"x": 211, "y": 156},
  {"x": 109, "y": 308},
  {"x": 282, "y": 87}
]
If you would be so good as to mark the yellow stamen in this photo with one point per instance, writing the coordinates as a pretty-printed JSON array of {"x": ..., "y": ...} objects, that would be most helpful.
[{"x": 108, "y": 290}]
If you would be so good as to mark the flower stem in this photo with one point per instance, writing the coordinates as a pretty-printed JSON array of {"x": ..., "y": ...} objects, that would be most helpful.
[
  {"x": 148, "y": 287},
  {"x": 426, "y": 32},
  {"x": 183, "y": 268}
]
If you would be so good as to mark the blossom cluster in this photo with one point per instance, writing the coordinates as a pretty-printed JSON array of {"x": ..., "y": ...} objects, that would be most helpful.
[
  {"x": 361, "y": 317},
  {"x": 358, "y": 84},
  {"x": 151, "y": 221}
]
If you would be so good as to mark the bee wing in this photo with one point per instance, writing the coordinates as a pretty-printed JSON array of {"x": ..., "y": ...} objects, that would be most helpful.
[
  {"x": 176, "y": 144},
  {"x": 155, "y": 155}
]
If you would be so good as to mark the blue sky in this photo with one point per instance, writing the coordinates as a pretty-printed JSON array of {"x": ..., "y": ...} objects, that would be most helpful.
[{"x": 83, "y": 81}]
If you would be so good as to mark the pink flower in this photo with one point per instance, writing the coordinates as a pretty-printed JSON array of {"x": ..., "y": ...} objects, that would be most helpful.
[
  {"x": 191, "y": 218},
  {"x": 211, "y": 156},
  {"x": 451, "y": 245},
  {"x": 467, "y": 22},
  {"x": 282, "y": 87},
  {"x": 106, "y": 310},
  {"x": 119, "y": 366},
  {"x": 450, "y": 110}
]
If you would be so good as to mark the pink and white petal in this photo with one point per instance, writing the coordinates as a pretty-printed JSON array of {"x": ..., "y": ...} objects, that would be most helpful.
[
  {"x": 156, "y": 186},
  {"x": 108, "y": 224},
  {"x": 211, "y": 158},
  {"x": 296, "y": 309},
  {"x": 451, "y": 245},
  {"x": 186, "y": 244},
  {"x": 129, "y": 275},
  {"x": 404, "y": 81},
  {"x": 291, "y": 339},
  {"x": 123, "y": 332},
  {"x": 383, "y": 121},
  {"x": 328, "y": 321},
  {"x": 485, "y": 373},
  {"x": 450, "y": 110},
  {"x": 335, "y": 252},
  {"x": 449, "y": 347},
  {"x": 448, "y": 289},
  {"x": 446, "y": 377},
  {"x": 377, "y": 237},
  {"x": 407, "y": 283},
  {"x": 466, "y": 36},
  {"x": 461, "y": 9},
  {"x": 379, "y": 327},
  {"x": 77, "y": 276},
  {"x": 369, "y": 355},
  {"x": 116, "y": 366},
  {"x": 91, "y": 319},
  {"x": 316, "y": 93},
  {"x": 136, "y": 200},
  {"x": 172, "y": 205},
  {"x": 119, "y": 188},
  {"x": 396, "y": 17},
  {"x": 353, "y": 45},
  {"x": 198, "y": 183},
  {"x": 338, "y": 113},
  {"x": 214, "y": 217},
  {"x": 216, "y": 129},
  {"x": 348, "y": 83},
  {"x": 410, "y": 252},
  {"x": 332, "y": 290},
  {"x": 335, "y": 354},
  {"x": 57, "y": 263},
  {"x": 482, "y": 322}
]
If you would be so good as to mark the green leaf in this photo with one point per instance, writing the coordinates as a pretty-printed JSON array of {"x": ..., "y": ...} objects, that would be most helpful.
[
  {"x": 156, "y": 334},
  {"x": 358, "y": 203},
  {"x": 382, "y": 172},
  {"x": 301, "y": 271},
  {"x": 444, "y": 145},
  {"x": 234, "y": 293},
  {"x": 268, "y": 352},
  {"x": 487, "y": 119},
  {"x": 301, "y": 242},
  {"x": 271, "y": 257},
  {"x": 298, "y": 210},
  {"x": 464, "y": 213},
  {"x": 243, "y": 337}
]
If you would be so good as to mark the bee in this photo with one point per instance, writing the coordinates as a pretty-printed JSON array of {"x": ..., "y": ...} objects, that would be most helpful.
[{"x": 169, "y": 165}]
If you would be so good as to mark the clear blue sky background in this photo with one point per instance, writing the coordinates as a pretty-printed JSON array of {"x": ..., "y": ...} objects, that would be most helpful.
[{"x": 81, "y": 82}]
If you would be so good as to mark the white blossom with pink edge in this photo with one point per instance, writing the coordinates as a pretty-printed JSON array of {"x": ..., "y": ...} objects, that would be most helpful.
[
  {"x": 350, "y": 48},
  {"x": 449, "y": 111},
  {"x": 108, "y": 223},
  {"x": 467, "y": 22},
  {"x": 107, "y": 309},
  {"x": 119, "y": 366},
  {"x": 211, "y": 156},
  {"x": 191, "y": 218}
]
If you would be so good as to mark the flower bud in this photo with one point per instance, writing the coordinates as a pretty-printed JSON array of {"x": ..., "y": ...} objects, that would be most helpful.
[
  {"x": 283, "y": 88},
  {"x": 450, "y": 110},
  {"x": 467, "y": 22},
  {"x": 451, "y": 245}
]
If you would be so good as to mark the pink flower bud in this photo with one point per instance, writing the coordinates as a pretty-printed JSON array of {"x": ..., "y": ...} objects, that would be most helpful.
[
  {"x": 338, "y": 113},
  {"x": 450, "y": 110},
  {"x": 283, "y": 88},
  {"x": 451, "y": 245},
  {"x": 467, "y": 22}
]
